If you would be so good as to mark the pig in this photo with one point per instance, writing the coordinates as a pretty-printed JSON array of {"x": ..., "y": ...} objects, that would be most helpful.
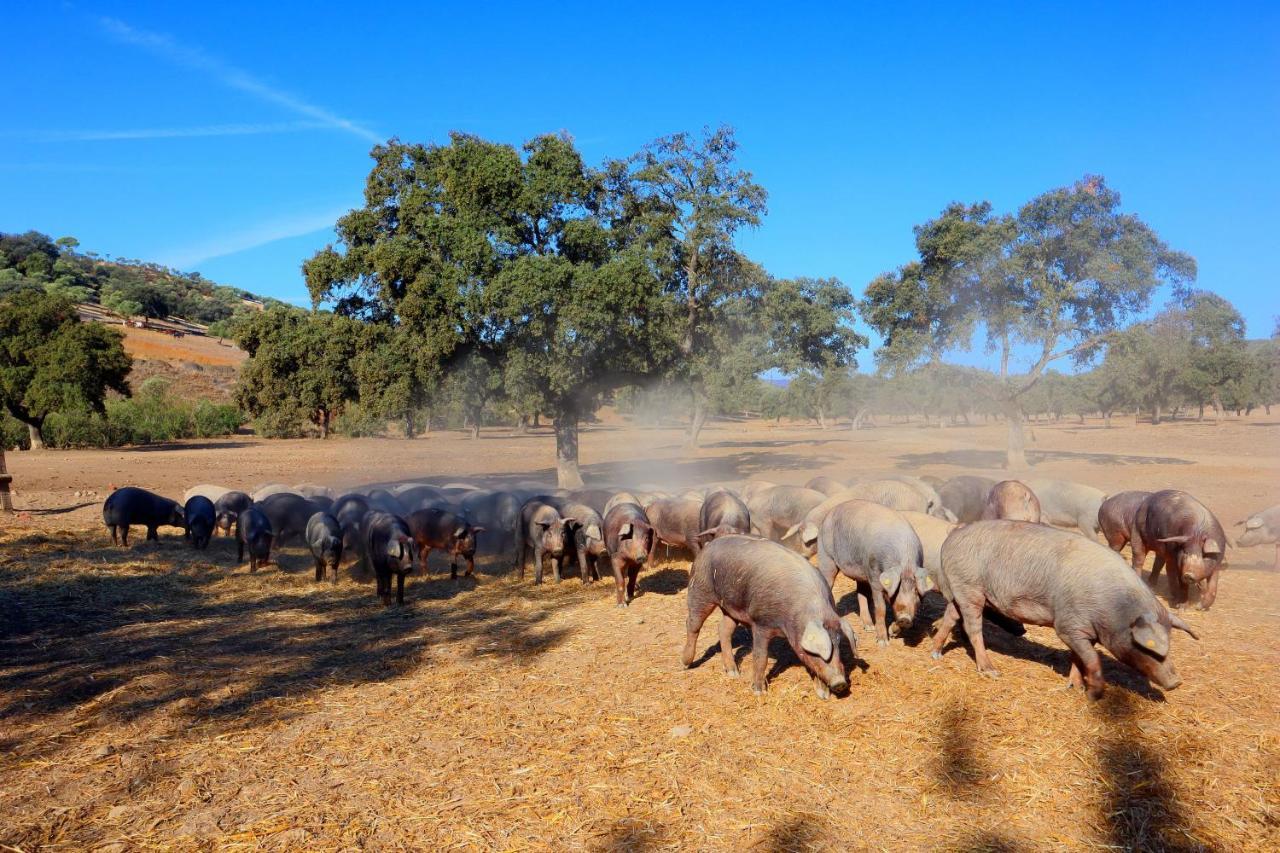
[
  {"x": 933, "y": 501},
  {"x": 895, "y": 494},
  {"x": 439, "y": 529},
  {"x": 289, "y": 514},
  {"x": 543, "y": 531},
  {"x": 417, "y": 495},
  {"x": 695, "y": 495},
  {"x": 722, "y": 513},
  {"x": 130, "y": 505},
  {"x": 774, "y": 510},
  {"x": 586, "y": 536},
  {"x": 676, "y": 522},
  {"x": 322, "y": 503},
  {"x": 623, "y": 497},
  {"x": 1262, "y": 528},
  {"x": 932, "y": 532},
  {"x": 827, "y": 485},
  {"x": 200, "y": 519},
  {"x": 324, "y": 538},
  {"x": 1185, "y": 536},
  {"x": 1116, "y": 515},
  {"x": 350, "y": 510},
  {"x": 876, "y": 547},
  {"x": 383, "y": 500},
  {"x": 1012, "y": 500},
  {"x": 207, "y": 490},
  {"x": 774, "y": 591},
  {"x": 932, "y": 480},
  {"x": 228, "y": 507},
  {"x": 629, "y": 539},
  {"x": 1068, "y": 504},
  {"x": 965, "y": 496},
  {"x": 269, "y": 489},
  {"x": 808, "y": 527},
  {"x": 313, "y": 491},
  {"x": 753, "y": 488},
  {"x": 254, "y": 534},
  {"x": 498, "y": 512},
  {"x": 387, "y": 549},
  {"x": 597, "y": 499},
  {"x": 1041, "y": 575}
]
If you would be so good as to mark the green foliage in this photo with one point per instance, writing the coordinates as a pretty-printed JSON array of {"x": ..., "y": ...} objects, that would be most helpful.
[
  {"x": 356, "y": 421},
  {"x": 299, "y": 364},
  {"x": 152, "y": 415},
  {"x": 127, "y": 287},
  {"x": 51, "y": 362},
  {"x": 13, "y": 433}
]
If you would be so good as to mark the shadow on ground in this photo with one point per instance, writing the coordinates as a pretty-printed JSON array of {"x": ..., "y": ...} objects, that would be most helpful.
[{"x": 997, "y": 458}]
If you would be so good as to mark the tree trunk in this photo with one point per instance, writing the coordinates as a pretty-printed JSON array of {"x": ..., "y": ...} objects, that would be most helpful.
[
  {"x": 858, "y": 417},
  {"x": 537, "y": 420},
  {"x": 410, "y": 426},
  {"x": 324, "y": 423},
  {"x": 697, "y": 418},
  {"x": 1200, "y": 417},
  {"x": 1155, "y": 414},
  {"x": 1106, "y": 419},
  {"x": 567, "y": 474},
  {"x": 37, "y": 437},
  {"x": 426, "y": 423},
  {"x": 522, "y": 425},
  {"x": 6, "y": 502},
  {"x": 475, "y": 425},
  {"x": 1016, "y": 454},
  {"x": 1217, "y": 408},
  {"x": 822, "y": 419}
]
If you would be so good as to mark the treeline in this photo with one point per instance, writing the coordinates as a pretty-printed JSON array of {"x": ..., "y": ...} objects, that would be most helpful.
[
  {"x": 64, "y": 382},
  {"x": 479, "y": 277},
  {"x": 128, "y": 287}
]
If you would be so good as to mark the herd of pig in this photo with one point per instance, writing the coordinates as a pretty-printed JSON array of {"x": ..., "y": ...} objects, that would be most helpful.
[{"x": 991, "y": 549}]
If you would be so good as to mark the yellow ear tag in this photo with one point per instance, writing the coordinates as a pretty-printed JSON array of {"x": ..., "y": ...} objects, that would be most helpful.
[
  {"x": 1151, "y": 644},
  {"x": 885, "y": 581}
]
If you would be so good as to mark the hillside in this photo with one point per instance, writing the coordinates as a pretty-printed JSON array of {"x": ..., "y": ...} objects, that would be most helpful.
[{"x": 129, "y": 288}]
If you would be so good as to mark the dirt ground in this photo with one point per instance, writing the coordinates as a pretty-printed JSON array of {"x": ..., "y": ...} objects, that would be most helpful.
[{"x": 159, "y": 698}]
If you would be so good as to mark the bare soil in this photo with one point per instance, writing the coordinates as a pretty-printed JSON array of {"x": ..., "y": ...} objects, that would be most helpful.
[{"x": 160, "y": 698}]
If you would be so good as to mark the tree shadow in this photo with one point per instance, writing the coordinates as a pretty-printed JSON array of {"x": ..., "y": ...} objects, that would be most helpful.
[
  {"x": 987, "y": 841},
  {"x": 668, "y": 580},
  {"x": 799, "y": 833},
  {"x": 123, "y": 632},
  {"x": 1140, "y": 807},
  {"x": 958, "y": 767},
  {"x": 62, "y": 510},
  {"x": 993, "y": 459}
]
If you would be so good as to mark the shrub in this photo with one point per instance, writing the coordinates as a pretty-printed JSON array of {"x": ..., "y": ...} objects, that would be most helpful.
[
  {"x": 354, "y": 421},
  {"x": 280, "y": 424},
  {"x": 13, "y": 433},
  {"x": 152, "y": 415}
]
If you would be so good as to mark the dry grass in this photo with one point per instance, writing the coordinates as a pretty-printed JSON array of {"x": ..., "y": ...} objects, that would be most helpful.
[{"x": 158, "y": 699}]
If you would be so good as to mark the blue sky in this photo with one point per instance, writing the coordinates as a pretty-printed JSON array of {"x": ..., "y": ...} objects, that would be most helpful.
[{"x": 227, "y": 138}]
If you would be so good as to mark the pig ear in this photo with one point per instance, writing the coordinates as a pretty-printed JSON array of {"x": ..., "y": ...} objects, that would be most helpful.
[
  {"x": 1181, "y": 539},
  {"x": 477, "y": 529},
  {"x": 816, "y": 641},
  {"x": 625, "y": 530},
  {"x": 791, "y": 531},
  {"x": 1176, "y": 621},
  {"x": 849, "y": 635},
  {"x": 460, "y": 532},
  {"x": 810, "y": 534},
  {"x": 1151, "y": 635},
  {"x": 1212, "y": 546},
  {"x": 710, "y": 533},
  {"x": 568, "y": 519},
  {"x": 924, "y": 580},
  {"x": 890, "y": 580},
  {"x": 1252, "y": 523},
  {"x": 593, "y": 530}
]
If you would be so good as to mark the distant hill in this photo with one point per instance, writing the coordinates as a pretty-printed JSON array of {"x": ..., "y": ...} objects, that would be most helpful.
[{"x": 125, "y": 287}]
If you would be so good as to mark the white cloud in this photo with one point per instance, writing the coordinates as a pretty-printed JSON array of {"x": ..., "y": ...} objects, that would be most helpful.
[
  {"x": 168, "y": 132},
  {"x": 228, "y": 75},
  {"x": 187, "y": 257}
]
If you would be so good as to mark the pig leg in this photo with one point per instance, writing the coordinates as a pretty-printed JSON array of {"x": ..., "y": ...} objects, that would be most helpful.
[
  {"x": 971, "y": 613},
  {"x": 727, "y": 625},
  {"x": 319, "y": 569},
  {"x": 864, "y": 610},
  {"x": 1086, "y": 666},
  {"x": 152, "y": 534},
  {"x": 632, "y": 574},
  {"x": 115, "y": 535},
  {"x": 698, "y": 612},
  {"x": 759, "y": 660},
  {"x": 1177, "y": 587},
  {"x": 537, "y": 563},
  {"x": 619, "y": 583},
  {"x": 555, "y": 567},
  {"x": 881, "y": 625},
  {"x": 1139, "y": 553},
  {"x": 522, "y": 553},
  {"x": 399, "y": 587},
  {"x": 471, "y": 566},
  {"x": 1155, "y": 572},
  {"x": 827, "y": 567},
  {"x": 949, "y": 618}
]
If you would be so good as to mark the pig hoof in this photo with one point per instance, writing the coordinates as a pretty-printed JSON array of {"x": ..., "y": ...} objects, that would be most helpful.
[
  {"x": 621, "y": 604},
  {"x": 759, "y": 689},
  {"x": 990, "y": 672},
  {"x": 733, "y": 672},
  {"x": 884, "y": 644},
  {"x": 936, "y": 655},
  {"x": 823, "y": 691}
]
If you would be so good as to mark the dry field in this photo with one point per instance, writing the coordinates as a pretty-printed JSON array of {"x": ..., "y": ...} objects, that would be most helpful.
[{"x": 155, "y": 698}]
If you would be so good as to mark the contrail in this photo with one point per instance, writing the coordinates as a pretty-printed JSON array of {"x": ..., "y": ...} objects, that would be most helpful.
[
  {"x": 261, "y": 234},
  {"x": 228, "y": 75},
  {"x": 168, "y": 132}
]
